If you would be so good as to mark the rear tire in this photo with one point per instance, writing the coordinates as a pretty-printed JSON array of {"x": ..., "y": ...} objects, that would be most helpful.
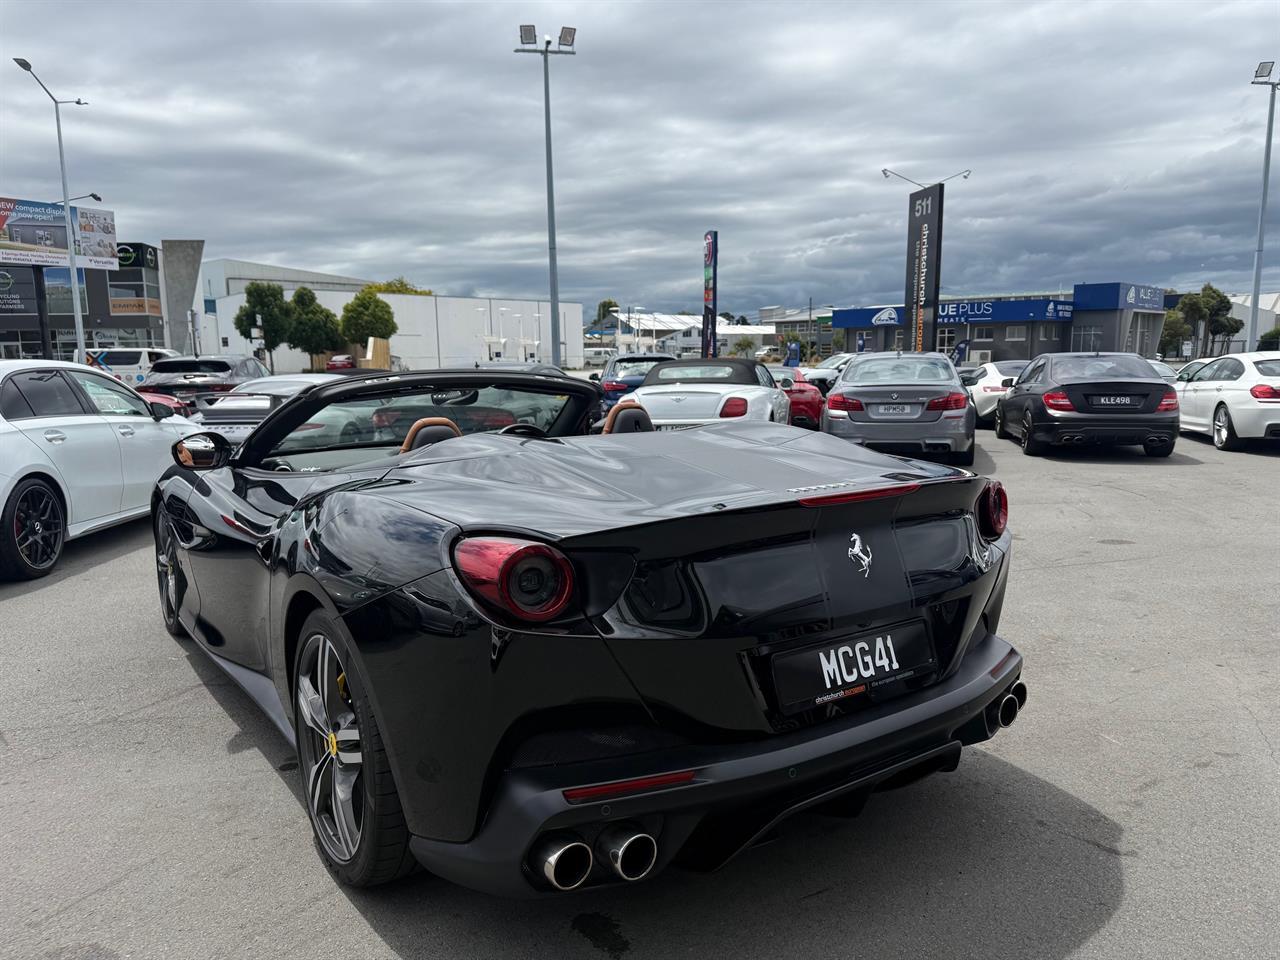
[
  {"x": 1224, "y": 431},
  {"x": 32, "y": 531},
  {"x": 371, "y": 843},
  {"x": 1157, "y": 449},
  {"x": 1030, "y": 445},
  {"x": 169, "y": 579}
]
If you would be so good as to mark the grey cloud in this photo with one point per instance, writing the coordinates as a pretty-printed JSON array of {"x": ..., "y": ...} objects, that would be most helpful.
[{"x": 1107, "y": 140}]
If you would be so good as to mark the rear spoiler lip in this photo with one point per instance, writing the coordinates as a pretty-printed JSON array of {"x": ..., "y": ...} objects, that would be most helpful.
[{"x": 902, "y": 489}]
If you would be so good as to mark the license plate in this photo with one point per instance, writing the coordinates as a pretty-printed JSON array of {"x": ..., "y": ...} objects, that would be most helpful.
[
  {"x": 232, "y": 431},
  {"x": 677, "y": 426},
  {"x": 893, "y": 408},
  {"x": 1113, "y": 401},
  {"x": 851, "y": 668}
]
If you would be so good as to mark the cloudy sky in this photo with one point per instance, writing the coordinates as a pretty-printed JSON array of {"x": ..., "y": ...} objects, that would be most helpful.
[{"x": 1108, "y": 141}]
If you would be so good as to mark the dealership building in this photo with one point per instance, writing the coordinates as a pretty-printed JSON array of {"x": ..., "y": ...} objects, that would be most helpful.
[{"x": 1115, "y": 316}]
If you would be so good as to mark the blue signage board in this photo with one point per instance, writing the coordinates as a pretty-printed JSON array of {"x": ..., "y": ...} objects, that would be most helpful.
[
  {"x": 1042, "y": 310},
  {"x": 1118, "y": 296}
]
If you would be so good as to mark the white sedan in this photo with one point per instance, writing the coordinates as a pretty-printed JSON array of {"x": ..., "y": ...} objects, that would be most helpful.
[
  {"x": 79, "y": 451},
  {"x": 828, "y": 371},
  {"x": 986, "y": 384},
  {"x": 688, "y": 393},
  {"x": 1233, "y": 399}
]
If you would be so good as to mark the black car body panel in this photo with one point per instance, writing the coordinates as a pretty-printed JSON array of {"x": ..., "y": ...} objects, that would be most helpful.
[
  {"x": 701, "y": 556},
  {"x": 1101, "y": 409}
]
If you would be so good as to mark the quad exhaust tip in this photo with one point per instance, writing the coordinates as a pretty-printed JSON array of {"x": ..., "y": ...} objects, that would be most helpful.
[
  {"x": 629, "y": 852},
  {"x": 564, "y": 861}
]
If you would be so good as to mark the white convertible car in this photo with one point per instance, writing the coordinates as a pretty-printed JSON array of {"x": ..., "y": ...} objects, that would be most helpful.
[
  {"x": 687, "y": 393},
  {"x": 79, "y": 451}
]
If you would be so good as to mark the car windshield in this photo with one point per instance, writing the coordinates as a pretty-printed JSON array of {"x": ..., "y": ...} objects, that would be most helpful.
[
  {"x": 632, "y": 368},
  {"x": 898, "y": 370},
  {"x": 1011, "y": 368},
  {"x": 1162, "y": 369},
  {"x": 1101, "y": 368},
  {"x": 1268, "y": 368},
  {"x": 190, "y": 366},
  {"x": 386, "y": 423},
  {"x": 791, "y": 373}
]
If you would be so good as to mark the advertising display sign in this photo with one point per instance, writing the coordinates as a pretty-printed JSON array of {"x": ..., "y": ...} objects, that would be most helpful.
[
  {"x": 17, "y": 291},
  {"x": 137, "y": 255},
  {"x": 35, "y": 234},
  {"x": 924, "y": 257},
  {"x": 710, "y": 258},
  {"x": 1040, "y": 309}
]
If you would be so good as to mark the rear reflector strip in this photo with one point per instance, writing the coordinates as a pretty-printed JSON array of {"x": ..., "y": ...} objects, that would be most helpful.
[
  {"x": 620, "y": 787},
  {"x": 879, "y": 493}
]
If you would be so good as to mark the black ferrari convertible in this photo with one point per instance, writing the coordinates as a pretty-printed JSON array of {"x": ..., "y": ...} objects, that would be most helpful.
[{"x": 533, "y": 653}]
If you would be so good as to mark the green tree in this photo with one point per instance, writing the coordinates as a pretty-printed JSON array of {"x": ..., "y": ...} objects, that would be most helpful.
[
  {"x": 1270, "y": 340},
  {"x": 726, "y": 316},
  {"x": 367, "y": 315},
  {"x": 315, "y": 327},
  {"x": 399, "y": 285},
  {"x": 265, "y": 301},
  {"x": 1176, "y": 331},
  {"x": 742, "y": 319},
  {"x": 837, "y": 341},
  {"x": 603, "y": 309},
  {"x": 1218, "y": 319},
  {"x": 744, "y": 347}
]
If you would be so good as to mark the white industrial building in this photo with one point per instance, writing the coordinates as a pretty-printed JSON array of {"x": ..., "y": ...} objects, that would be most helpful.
[
  {"x": 433, "y": 331},
  {"x": 680, "y": 334}
]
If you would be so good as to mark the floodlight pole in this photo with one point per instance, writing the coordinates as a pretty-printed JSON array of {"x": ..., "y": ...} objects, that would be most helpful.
[
  {"x": 546, "y": 52},
  {"x": 66, "y": 209},
  {"x": 1251, "y": 340}
]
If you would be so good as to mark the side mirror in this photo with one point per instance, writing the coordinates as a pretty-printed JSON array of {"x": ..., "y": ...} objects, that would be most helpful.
[
  {"x": 787, "y": 383},
  {"x": 1007, "y": 382},
  {"x": 594, "y": 376},
  {"x": 202, "y": 451},
  {"x": 160, "y": 411}
]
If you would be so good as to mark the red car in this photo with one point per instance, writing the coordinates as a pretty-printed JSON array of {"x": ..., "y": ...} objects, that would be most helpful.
[
  {"x": 340, "y": 361},
  {"x": 806, "y": 399},
  {"x": 180, "y": 406}
]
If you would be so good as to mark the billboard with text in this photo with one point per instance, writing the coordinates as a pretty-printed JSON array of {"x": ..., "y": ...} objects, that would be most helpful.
[{"x": 34, "y": 234}]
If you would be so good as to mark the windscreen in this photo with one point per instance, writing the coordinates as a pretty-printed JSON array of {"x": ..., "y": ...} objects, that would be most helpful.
[
  {"x": 1268, "y": 368},
  {"x": 632, "y": 368},
  {"x": 1102, "y": 368},
  {"x": 898, "y": 370},
  {"x": 1011, "y": 368},
  {"x": 385, "y": 423},
  {"x": 190, "y": 366},
  {"x": 832, "y": 362}
]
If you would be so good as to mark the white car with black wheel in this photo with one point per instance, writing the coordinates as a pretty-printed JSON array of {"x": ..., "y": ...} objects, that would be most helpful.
[
  {"x": 986, "y": 384},
  {"x": 1234, "y": 399},
  {"x": 79, "y": 451},
  {"x": 828, "y": 371},
  {"x": 689, "y": 393}
]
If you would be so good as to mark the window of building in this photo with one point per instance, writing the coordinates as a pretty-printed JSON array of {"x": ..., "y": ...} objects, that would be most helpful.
[
  {"x": 946, "y": 339},
  {"x": 983, "y": 333},
  {"x": 1015, "y": 332},
  {"x": 1088, "y": 337},
  {"x": 57, "y": 287},
  {"x": 897, "y": 339},
  {"x": 1049, "y": 331}
]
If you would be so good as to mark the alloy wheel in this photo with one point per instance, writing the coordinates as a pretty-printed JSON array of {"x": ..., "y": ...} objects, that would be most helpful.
[
  {"x": 1026, "y": 431},
  {"x": 1221, "y": 428},
  {"x": 38, "y": 528},
  {"x": 329, "y": 747},
  {"x": 167, "y": 570}
]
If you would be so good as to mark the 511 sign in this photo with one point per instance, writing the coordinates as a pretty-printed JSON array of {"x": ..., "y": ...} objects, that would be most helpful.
[{"x": 924, "y": 257}]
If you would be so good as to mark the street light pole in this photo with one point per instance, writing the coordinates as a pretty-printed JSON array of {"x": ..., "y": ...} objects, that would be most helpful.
[
  {"x": 528, "y": 37},
  {"x": 66, "y": 207},
  {"x": 1262, "y": 76}
]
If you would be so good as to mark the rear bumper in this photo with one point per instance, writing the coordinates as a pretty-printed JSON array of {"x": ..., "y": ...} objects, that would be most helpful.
[
  {"x": 1083, "y": 428},
  {"x": 1256, "y": 421},
  {"x": 947, "y": 434},
  {"x": 738, "y": 791}
]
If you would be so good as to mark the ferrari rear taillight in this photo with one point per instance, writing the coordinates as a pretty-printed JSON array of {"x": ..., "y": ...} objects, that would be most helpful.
[
  {"x": 841, "y": 401},
  {"x": 521, "y": 578},
  {"x": 1058, "y": 400},
  {"x": 1265, "y": 391},
  {"x": 1168, "y": 403},
  {"x": 952, "y": 401},
  {"x": 993, "y": 510},
  {"x": 734, "y": 407},
  {"x": 614, "y": 385}
]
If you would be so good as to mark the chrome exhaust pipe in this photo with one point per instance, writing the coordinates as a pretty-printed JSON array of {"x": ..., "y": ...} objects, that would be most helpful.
[
  {"x": 1008, "y": 710},
  {"x": 563, "y": 861},
  {"x": 629, "y": 852},
  {"x": 1019, "y": 692}
]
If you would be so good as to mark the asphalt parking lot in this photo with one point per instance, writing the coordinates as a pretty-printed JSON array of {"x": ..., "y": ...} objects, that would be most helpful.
[{"x": 1133, "y": 810}]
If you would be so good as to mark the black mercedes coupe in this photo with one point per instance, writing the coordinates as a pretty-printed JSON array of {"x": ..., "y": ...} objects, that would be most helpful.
[{"x": 532, "y": 653}]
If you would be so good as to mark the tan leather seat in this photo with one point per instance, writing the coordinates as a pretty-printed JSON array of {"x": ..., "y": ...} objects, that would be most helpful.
[
  {"x": 627, "y": 417},
  {"x": 429, "y": 430}
]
